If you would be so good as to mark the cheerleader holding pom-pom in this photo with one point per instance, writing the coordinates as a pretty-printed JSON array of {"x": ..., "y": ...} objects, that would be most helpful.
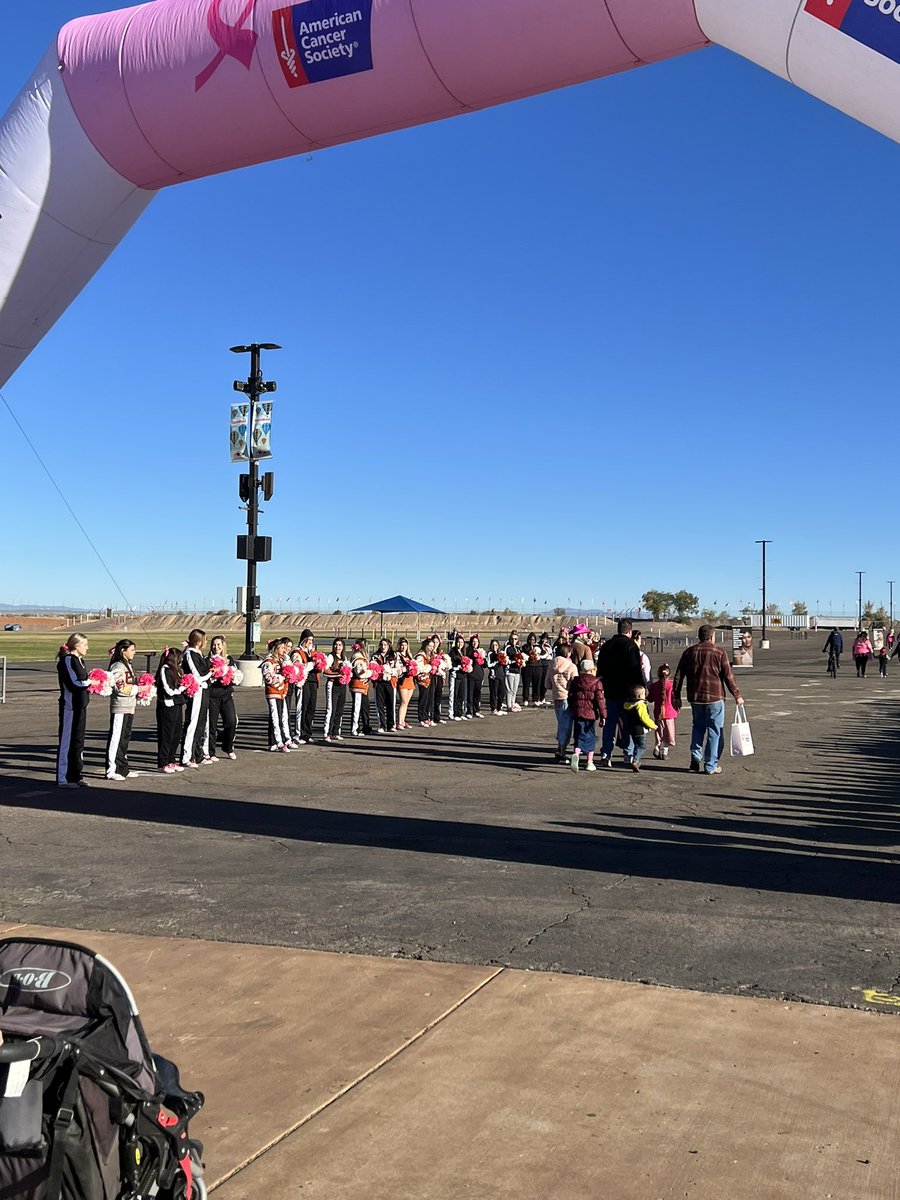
[
  {"x": 496, "y": 664},
  {"x": 423, "y": 679},
  {"x": 407, "y": 669},
  {"x": 337, "y": 676},
  {"x": 170, "y": 702},
  {"x": 276, "y": 689},
  {"x": 385, "y": 687},
  {"x": 475, "y": 678},
  {"x": 74, "y": 697},
  {"x": 195, "y": 749},
  {"x": 122, "y": 704},
  {"x": 359, "y": 689},
  {"x": 226, "y": 675}
]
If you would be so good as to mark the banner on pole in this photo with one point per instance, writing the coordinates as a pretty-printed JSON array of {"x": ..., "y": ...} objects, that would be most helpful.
[
  {"x": 262, "y": 430},
  {"x": 741, "y": 646},
  {"x": 240, "y": 432}
]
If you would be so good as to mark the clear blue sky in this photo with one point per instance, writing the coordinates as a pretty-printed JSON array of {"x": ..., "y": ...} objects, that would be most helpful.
[{"x": 572, "y": 348}]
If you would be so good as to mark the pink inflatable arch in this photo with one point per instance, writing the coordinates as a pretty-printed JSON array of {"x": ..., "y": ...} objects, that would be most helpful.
[{"x": 127, "y": 102}]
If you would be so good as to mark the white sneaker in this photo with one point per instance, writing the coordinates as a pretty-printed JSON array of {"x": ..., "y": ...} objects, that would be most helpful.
[
  {"x": 231, "y": 754},
  {"x": 591, "y": 766},
  {"x": 117, "y": 778},
  {"x": 574, "y": 762}
]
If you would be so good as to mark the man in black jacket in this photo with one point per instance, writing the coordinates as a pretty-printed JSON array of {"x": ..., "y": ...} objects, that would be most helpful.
[
  {"x": 835, "y": 644},
  {"x": 619, "y": 666}
]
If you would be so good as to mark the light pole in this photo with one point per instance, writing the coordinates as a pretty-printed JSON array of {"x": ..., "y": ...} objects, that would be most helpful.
[
  {"x": 253, "y": 387},
  {"x": 763, "y": 641},
  {"x": 859, "y": 601},
  {"x": 891, "y": 603}
]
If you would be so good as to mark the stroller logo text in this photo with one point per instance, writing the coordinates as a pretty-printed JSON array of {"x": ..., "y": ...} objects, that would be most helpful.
[{"x": 30, "y": 979}]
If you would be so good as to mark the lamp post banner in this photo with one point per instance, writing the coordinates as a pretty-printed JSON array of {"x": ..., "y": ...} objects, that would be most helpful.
[
  {"x": 238, "y": 440},
  {"x": 262, "y": 429}
]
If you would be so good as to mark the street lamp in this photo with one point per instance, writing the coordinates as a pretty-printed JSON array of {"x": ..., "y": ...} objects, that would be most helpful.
[
  {"x": 253, "y": 548},
  {"x": 859, "y": 602},
  {"x": 763, "y": 642},
  {"x": 891, "y": 605}
]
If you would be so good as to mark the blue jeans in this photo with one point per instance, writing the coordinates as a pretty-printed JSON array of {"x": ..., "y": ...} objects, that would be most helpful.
[
  {"x": 613, "y": 712},
  {"x": 564, "y": 722},
  {"x": 640, "y": 745},
  {"x": 708, "y": 723},
  {"x": 585, "y": 735}
]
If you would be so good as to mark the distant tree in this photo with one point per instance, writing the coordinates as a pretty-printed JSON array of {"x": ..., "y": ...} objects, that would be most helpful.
[
  {"x": 881, "y": 616},
  {"x": 658, "y": 604},
  {"x": 868, "y": 611},
  {"x": 685, "y": 604},
  {"x": 772, "y": 610},
  {"x": 799, "y": 609},
  {"x": 559, "y": 612}
]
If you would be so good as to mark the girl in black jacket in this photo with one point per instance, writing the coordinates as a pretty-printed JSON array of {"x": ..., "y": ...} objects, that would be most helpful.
[{"x": 74, "y": 698}]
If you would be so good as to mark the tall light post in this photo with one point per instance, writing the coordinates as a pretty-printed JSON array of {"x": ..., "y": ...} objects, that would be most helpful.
[
  {"x": 253, "y": 548},
  {"x": 763, "y": 641},
  {"x": 859, "y": 601},
  {"x": 891, "y": 602}
]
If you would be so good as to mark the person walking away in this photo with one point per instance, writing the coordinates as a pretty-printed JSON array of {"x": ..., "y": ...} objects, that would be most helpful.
[
  {"x": 475, "y": 678},
  {"x": 335, "y": 690},
  {"x": 587, "y": 706},
  {"x": 196, "y": 727},
  {"x": 170, "y": 705},
  {"x": 883, "y": 657},
  {"x": 619, "y": 667},
  {"x": 562, "y": 672},
  {"x": 74, "y": 698},
  {"x": 221, "y": 702},
  {"x": 664, "y": 712},
  {"x": 122, "y": 707},
  {"x": 638, "y": 639},
  {"x": 515, "y": 662},
  {"x": 705, "y": 668},
  {"x": 637, "y": 721},
  {"x": 834, "y": 644},
  {"x": 496, "y": 677},
  {"x": 862, "y": 652}
]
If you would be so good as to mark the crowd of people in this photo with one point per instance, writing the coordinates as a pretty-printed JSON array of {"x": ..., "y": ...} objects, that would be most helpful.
[
  {"x": 591, "y": 681},
  {"x": 862, "y": 651}
]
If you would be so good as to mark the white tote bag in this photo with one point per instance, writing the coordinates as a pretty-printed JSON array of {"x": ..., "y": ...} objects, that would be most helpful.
[{"x": 741, "y": 738}]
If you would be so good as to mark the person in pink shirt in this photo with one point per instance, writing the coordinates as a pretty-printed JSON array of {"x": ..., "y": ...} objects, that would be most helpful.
[
  {"x": 664, "y": 712},
  {"x": 862, "y": 652}
]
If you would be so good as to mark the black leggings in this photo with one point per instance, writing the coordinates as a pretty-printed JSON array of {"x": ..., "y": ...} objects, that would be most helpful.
[
  {"x": 497, "y": 689},
  {"x": 531, "y": 678},
  {"x": 384, "y": 703},
  {"x": 169, "y": 723},
  {"x": 862, "y": 661},
  {"x": 473, "y": 691},
  {"x": 426, "y": 700},
  {"x": 309, "y": 697},
  {"x": 437, "y": 691},
  {"x": 221, "y": 704}
]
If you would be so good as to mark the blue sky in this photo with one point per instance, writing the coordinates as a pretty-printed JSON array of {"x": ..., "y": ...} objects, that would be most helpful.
[{"x": 568, "y": 349}]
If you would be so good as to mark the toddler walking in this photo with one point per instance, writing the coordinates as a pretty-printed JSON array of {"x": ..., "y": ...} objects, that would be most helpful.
[
  {"x": 637, "y": 721},
  {"x": 587, "y": 705},
  {"x": 664, "y": 712}
]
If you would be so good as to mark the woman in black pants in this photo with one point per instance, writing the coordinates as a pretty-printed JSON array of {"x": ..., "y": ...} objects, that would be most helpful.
[
  {"x": 545, "y": 656},
  {"x": 221, "y": 702},
  {"x": 170, "y": 701},
  {"x": 384, "y": 688},
  {"x": 496, "y": 678},
  {"x": 423, "y": 679},
  {"x": 532, "y": 671},
  {"x": 195, "y": 748},
  {"x": 437, "y": 680},
  {"x": 475, "y": 677},
  {"x": 74, "y": 698}
]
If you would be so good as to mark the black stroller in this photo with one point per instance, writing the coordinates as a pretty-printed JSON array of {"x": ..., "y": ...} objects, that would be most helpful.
[{"x": 86, "y": 1111}]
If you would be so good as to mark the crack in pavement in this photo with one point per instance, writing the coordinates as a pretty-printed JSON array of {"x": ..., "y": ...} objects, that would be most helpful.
[{"x": 567, "y": 916}]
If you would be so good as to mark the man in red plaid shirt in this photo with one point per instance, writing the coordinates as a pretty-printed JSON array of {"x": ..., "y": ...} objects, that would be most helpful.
[{"x": 706, "y": 670}]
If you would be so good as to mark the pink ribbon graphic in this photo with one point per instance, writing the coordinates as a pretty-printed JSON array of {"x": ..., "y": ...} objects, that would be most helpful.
[{"x": 233, "y": 40}]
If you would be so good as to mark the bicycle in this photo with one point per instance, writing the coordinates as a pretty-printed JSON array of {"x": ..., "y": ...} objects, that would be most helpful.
[{"x": 832, "y": 665}]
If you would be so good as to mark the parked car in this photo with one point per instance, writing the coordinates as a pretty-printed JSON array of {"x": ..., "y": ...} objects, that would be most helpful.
[{"x": 12, "y": 628}]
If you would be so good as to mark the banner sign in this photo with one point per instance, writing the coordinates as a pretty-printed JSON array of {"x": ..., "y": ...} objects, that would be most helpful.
[
  {"x": 239, "y": 434},
  {"x": 741, "y": 646},
  {"x": 874, "y": 23},
  {"x": 323, "y": 39},
  {"x": 262, "y": 430}
]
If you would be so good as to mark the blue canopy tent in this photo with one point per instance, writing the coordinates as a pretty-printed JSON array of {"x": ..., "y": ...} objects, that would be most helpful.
[{"x": 397, "y": 604}]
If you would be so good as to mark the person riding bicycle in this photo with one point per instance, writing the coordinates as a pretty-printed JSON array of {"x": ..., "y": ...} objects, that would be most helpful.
[{"x": 834, "y": 646}]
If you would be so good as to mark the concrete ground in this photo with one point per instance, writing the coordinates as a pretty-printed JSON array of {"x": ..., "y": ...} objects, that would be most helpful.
[{"x": 340, "y": 1066}]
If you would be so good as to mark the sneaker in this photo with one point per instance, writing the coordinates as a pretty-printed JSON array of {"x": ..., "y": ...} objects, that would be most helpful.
[
  {"x": 210, "y": 758},
  {"x": 274, "y": 749},
  {"x": 67, "y": 785},
  {"x": 117, "y": 778},
  {"x": 284, "y": 749},
  {"x": 714, "y": 771},
  {"x": 326, "y": 738},
  {"x": 592, "y": 766},
  {"x": 169, "y": 770},
  {"x": 574, "y": 763},
  {"x": 381, "y": 729},
  {"x": 479, "y": 716},
  {"x": 338, "y": 737},
  {"x": 657, "y": 753},
  {"x": 605, "y": 761},
  {"x": 516, "y": 708},
  {"x": 178, "y": 767},
  {"x": 132, "y": 775},
  {"x": 695, "y": 765},
  {"x": 665, "y": 752},
  {"x": 635, "y": 766},
  {"x": 231, "y": 754},
  {"x": 352, "y": 734},
  {"x": 193, "y": 765}
]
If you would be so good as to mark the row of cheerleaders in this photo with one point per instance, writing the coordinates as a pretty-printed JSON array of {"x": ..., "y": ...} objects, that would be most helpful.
[{"x": 193, "y": 691}]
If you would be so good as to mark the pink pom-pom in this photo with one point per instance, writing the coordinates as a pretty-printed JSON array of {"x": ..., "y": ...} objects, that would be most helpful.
[
  {"x": 101, "y": 682},
  {"x": 218, "y": 666},
  {"x": 191, "y": 686},
  {"x": 376, "y": 670},
  {"x": 465, "y": 663},
  {"x": 145, "y": 680},
  {"x": 319, "y": 660},
  {"x": 479, "y": 657},
  {"x": 228, "y": 678},
  {"x": 412, "y": 669},
  {"x": 293, "y": 672},
  {"x": 345, "y": 674},
  {"x": 436, "y": 664}
]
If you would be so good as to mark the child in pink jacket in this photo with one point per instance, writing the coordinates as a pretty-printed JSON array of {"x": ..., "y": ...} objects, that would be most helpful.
[{"x": 664, "y": 712}]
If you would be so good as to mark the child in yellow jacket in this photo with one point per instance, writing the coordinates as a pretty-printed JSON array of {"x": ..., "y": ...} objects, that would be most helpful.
[{"x": 637, "y": 720}]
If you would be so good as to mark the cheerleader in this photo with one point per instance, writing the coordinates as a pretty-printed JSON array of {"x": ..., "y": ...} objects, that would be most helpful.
[
  {"x": 74, "y": 698},
  {"x": 170, "y": 702},
  {"x": 423, "y": 679},
  {"x": 276, "y": 696},
  {"x": 514, "y": 664},
  {"x": 496, "y": 677},
  {"x": 438, "y": 675},
  {"x": 122, "y": 705},
  {"x": 531, "y": 671},
  {"x": 546, "y": 656},
  {"x": 456, "y": 689},
  {"x": 406, "y": 684},
  {"x": 195, "y": 749},
  {"x": 475, "y": 678},
  {"x": 335, "y": 691},
  {"x": 309, "y": 691},
  {"x": 386, "y": 688},
  {"x": 221, "y": 702},
  {"x": 359, "y": 690}
]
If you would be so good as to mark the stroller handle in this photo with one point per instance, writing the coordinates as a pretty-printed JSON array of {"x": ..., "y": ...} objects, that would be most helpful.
[{"x": 40, "y": 1047}]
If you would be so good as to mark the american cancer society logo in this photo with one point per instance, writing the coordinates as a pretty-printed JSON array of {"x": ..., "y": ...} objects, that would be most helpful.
[
  {"x": 323, "y": 39},
  {"x": 875, "y": 23}
]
